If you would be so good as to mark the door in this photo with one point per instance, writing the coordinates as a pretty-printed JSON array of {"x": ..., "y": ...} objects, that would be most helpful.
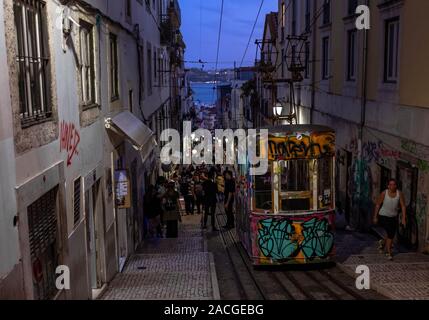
[
  {"x": 407, "y": 177},
  {"x": 90, "y": 209}
]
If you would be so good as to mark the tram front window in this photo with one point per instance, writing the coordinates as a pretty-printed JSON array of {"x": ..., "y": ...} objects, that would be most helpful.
[
  {"x": 295, "y": 185},
  {"x": 263, "y": 193}
]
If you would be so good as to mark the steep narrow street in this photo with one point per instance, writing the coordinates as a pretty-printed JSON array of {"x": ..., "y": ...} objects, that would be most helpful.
[{"x": 169, "y": 269}]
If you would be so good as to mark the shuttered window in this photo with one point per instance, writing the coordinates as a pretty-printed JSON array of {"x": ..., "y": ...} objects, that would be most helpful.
[
  {"x": 43, "y": 236},
  {"x": 32, "y": 60}
]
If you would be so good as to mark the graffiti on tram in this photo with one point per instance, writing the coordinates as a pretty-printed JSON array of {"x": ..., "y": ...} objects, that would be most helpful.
[
  {"x": 301, "y": 146},
  {"x": 282, "y": 240}
]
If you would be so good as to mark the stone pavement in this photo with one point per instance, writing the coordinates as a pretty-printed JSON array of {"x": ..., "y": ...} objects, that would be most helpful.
[
  {"x": 404, "y": 278},
  {"x": 169, "y": 269}
]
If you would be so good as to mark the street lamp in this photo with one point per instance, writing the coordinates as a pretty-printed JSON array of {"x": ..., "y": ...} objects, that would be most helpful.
[{"x": 278, "y": 109}]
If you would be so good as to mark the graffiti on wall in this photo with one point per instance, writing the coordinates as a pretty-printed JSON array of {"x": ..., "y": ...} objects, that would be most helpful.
[
  {"x": 284, "y": 239},
  {"x": 422, "y": 203},
  {"x": 69, "y": 141},
  {"x": 304, "y": 145}
]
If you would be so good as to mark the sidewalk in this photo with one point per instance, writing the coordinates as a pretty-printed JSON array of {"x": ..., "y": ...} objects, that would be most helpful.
[
  {"x": 169, "y": 269},
  {"x": 404, "y": 278}
]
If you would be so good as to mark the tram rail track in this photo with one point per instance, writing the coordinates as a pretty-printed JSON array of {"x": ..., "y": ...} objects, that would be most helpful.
[{"x": 290, "y": 284}]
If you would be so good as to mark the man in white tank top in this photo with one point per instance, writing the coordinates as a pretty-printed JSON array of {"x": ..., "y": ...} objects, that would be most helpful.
[{"x": 386, "y": 213}]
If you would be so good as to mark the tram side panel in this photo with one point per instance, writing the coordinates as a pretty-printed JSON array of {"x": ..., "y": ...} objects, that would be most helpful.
[{"x": 299, "y": 239}]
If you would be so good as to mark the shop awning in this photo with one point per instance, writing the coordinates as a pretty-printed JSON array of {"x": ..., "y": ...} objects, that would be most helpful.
[{"x": 134, "y": 130}]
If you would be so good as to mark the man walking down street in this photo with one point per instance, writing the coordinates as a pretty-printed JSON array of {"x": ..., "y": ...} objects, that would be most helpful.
[
  {"x": 386, "y": 214},
  {"x": 229, "y": 199},
  {"x": 210, "y": 201}
]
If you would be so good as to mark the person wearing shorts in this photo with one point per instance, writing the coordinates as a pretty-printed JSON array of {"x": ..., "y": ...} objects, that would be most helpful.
[{"x": 386, "y": 215}]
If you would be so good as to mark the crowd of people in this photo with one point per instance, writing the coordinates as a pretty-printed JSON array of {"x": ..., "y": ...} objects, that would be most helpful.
[{"x": 203, "y": 188}]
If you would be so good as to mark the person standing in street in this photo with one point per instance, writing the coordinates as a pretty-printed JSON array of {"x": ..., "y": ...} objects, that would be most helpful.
[
  {"x": 152, "y": 209},
  {"x": 210, "y": 201},
  {"x": 172, "y": 210},
  {"x": 188, "y": 195},
  {"x": 199, "y": 194},
  {"x": 229, "y": 199},
  {"x": 386, "y": 215}
]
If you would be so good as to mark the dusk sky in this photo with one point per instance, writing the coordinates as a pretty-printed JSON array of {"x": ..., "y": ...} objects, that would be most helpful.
[{"x": 200, "y": 26}]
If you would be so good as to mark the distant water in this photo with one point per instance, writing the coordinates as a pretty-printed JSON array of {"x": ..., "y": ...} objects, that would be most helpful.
[{"x": 204, "y": 92}]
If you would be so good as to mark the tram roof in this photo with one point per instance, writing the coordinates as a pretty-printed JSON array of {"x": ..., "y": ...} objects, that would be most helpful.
[{"x": 301, "y": 128}]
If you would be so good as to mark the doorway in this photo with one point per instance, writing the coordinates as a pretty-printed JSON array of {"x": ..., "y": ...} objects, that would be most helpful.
[
  {"x": 94, "y": 225},
  {"x": 407, "y": 177}
]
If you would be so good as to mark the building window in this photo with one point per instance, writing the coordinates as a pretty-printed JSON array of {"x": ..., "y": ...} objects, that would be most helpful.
[
  {"x": 114, "y": 71},
  {"x": 294, "y": 16},
  {"x": 283, "y": 17},
  {"x": 149, "y": 70},
  {"x": 391, "y": 50},
  {"x": 351, "y": 55},
  {"x": 87, "y": 65},
  {"x": 141, "y": 64},
  {"x": 307, "y": 60},
  {"x": 130, "y": 100},
  {"x": 32, "y": 58},
  {"x": 351, "y": 7},
  {"x": 155, "y": 70},
  {"x": 307, "y": 15},
  {"x": 128, "y": 9},
  {"x": 326, "y": 11},
  {"x": 325, "y": 58}
]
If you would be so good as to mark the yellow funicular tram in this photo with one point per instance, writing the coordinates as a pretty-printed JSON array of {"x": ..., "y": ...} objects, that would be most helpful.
[{"x": 287, "y": 216}]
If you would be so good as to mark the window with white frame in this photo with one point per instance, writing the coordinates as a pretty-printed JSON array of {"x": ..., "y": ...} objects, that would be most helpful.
[
  {"x": 87, "y": 64},
  {"x": 32, "y": 59},
  {"x": 351, "y": 55},
  {"x": 325, "y": 58},
  {"x": 391, "y": 51}
]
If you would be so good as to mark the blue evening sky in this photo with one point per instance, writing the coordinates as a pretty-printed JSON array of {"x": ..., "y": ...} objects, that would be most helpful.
[{"x": 200, "y": 25}]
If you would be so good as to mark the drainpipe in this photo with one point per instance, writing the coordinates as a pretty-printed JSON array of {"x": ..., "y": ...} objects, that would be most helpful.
[
  {"x": 313, "y": 66},
  {"x": 362, "y": 120}
]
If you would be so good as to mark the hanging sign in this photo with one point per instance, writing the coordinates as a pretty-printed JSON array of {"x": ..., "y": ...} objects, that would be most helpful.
[{"x": 122, "y": 189}]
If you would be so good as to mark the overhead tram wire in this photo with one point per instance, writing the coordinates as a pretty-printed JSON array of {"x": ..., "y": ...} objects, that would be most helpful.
[
  {"x": 251, "y": 34},
  {"x": 218, "y": 44}
]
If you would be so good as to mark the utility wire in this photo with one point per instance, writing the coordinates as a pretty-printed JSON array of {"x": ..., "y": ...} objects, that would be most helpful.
[
  {"x": 251, "y": 34},
  {"x": 218, "y": 43}
]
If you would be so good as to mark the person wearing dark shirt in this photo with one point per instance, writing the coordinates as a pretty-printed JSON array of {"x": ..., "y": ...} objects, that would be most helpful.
[
  {"x": 210, "y": 200},
  {"x": 229, "y": 199}
]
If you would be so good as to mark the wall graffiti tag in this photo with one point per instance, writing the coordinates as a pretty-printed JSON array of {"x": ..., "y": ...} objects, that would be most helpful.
[
  {"x": 69, "y": 140},
  {"x": 285, "y": 239}
]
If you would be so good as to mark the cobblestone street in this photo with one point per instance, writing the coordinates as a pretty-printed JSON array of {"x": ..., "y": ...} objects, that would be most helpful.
[
  {"x": 406, "y": 277},
  {"x": 169, "y": 269}
]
